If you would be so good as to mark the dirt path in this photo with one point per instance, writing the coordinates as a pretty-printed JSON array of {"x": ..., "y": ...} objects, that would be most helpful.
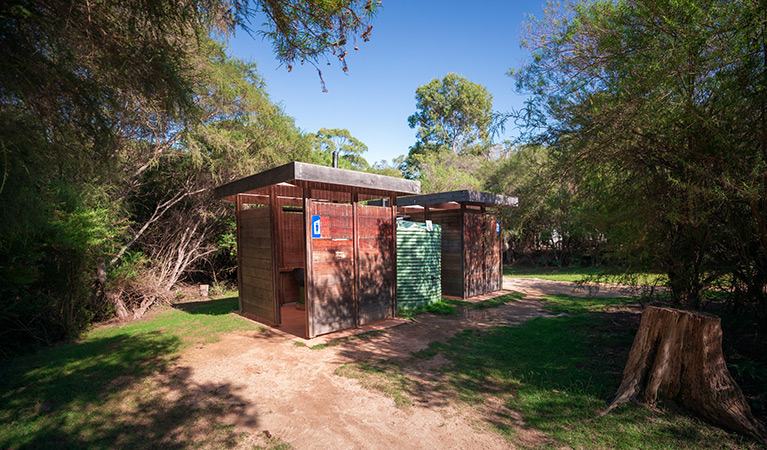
[
  {"x": 293, "y": 392},
  {"x": 536, "y": 288}
]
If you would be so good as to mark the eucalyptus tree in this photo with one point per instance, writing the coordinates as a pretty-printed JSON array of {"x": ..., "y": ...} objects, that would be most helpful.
[{"x": 454, "y": 113}]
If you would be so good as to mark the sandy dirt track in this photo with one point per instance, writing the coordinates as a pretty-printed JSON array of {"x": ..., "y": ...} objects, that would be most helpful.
[{"x": 293, "y": 392}]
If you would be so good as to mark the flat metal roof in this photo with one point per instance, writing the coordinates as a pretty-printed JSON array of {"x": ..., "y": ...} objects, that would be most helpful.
[
  {"x": 305, "y": 175},
  {"x": 463, "y": 196}
]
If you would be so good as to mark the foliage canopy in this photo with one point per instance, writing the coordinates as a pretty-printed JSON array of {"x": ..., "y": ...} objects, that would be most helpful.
[
  {"x": 657, "y": 111},
  {"x": 115, "y": 120},
  {"x": 453, "y": 112}
]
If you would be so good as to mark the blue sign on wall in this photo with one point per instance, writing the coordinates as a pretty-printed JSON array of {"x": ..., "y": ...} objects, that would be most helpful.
[
  {"x": 497, "y": 227},
  {"x": 316, "y": 227}
]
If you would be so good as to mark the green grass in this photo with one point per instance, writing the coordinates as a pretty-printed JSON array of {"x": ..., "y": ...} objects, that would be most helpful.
[
  {"x": 485, "y": 304},
  {"x": 443, "y": 307},
  {"x": 575, "y": 274},
  {"x": 558, "y": 373},
  {"x": 103, "y": 390},
  {"x": 573, "y": 305},
  {"x": 451, "y": 307},
  {"x": 382, "y": 376}
]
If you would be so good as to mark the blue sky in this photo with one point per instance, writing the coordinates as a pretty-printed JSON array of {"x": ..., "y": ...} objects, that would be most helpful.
[{"x": 412, "y": 43}]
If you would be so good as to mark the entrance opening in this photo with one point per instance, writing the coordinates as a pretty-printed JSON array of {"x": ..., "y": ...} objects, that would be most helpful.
[{"x": 293, "y": 320}]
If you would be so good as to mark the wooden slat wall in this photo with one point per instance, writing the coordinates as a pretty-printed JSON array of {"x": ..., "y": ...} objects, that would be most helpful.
[
  {"x": 332, "y": 293},
  {"x": 475, "y": 269},
  {"x": 474, "y": 253},
  {"x": 375, "y": 240},
  {"x": 452, "y": 253},
  {"x": 256, "y": 267},
  {"x": 291, "y": 248},
  {"x": 493, "y": 261}
]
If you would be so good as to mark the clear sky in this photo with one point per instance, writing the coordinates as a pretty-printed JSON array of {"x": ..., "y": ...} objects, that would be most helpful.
[{"x": 412, "y": 43}]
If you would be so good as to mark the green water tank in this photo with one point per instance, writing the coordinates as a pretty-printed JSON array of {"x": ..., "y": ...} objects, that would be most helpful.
[{"x": 419, "y": 259}]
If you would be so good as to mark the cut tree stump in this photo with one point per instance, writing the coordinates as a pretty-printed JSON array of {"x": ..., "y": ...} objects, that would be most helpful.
[{"x": 677, "y": 356}]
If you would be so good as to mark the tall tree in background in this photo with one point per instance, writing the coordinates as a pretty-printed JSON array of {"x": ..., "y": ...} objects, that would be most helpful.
[
  {"x": 661, "y": 110},
  {"x": 444, "y": 170},
  {"x": 452, "y": 114},
  {"x": 548, "y": 227}
]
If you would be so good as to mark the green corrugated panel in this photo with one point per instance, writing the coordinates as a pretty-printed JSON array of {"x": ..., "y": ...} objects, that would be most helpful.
[{"x": 419, "y": 264}]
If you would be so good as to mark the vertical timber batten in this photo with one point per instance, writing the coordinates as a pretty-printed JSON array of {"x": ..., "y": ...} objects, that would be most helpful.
[
  {"x": 484, "y": 233},
  {"x": 464, "y": 278},
  {"x": 356, "y": 256},
  {"x": 238, "y": 220},
  {"x": 393, "y": 201},
  {"x": 308, "y": 266},
  {"x": 274, "y": 230},
  {"x": 500, "y": 254}
]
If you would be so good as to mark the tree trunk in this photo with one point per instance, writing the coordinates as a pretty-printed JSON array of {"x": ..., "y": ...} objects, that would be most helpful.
[
  {"x": 120, "y": 309},
  {"x": 677, "y": 356}
]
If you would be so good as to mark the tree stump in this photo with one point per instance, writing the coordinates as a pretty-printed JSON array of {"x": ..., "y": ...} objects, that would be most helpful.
[{"x": 677, "y": 356}]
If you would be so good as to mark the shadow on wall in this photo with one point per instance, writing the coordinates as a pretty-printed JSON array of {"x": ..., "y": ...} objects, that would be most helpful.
[
  {"x": 122, "y": 391},
  {"x": 376, "y": 267},
  {"x": 333, "y": 265}
]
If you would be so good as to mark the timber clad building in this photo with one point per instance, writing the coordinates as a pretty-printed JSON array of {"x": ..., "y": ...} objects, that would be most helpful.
[
  {"x": 325, "y": 229},
  {"x": 471, "y": 237},
  {"x": 309, "y": 217}
]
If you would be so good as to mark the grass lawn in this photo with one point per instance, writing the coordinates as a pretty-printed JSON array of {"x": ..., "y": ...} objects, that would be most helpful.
[
  {"x": 450, "y": 307},
  {"x": 540, "y": 384},
  {"x": 114, "y": 388},
  {"x": 543, "y": 383},
  {"x": 572, "y": 274}
]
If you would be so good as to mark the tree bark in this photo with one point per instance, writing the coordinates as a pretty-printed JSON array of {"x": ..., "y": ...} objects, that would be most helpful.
[{"x": 677, "y": 356}]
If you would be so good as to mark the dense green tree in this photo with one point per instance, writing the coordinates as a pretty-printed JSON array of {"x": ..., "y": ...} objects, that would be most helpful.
[
  {"x": 96, "y": 99},
  {"x": 453, "y": 112},
  {"x": 447, "y": 171},
  {"x": 548, "y": 226},
  {"x": 657, "y": 109},
  {"x": 83, "y": 59}
]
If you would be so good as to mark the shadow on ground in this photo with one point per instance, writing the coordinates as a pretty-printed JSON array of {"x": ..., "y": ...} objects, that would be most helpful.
[
  {"x": 115, "y": 392},
  {"x": 215, "y": 307},
  {"x": 539, "y": 383}
]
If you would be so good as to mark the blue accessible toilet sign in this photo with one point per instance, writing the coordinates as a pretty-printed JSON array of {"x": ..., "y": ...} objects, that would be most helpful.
[{"x": 316, "y": 227}]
